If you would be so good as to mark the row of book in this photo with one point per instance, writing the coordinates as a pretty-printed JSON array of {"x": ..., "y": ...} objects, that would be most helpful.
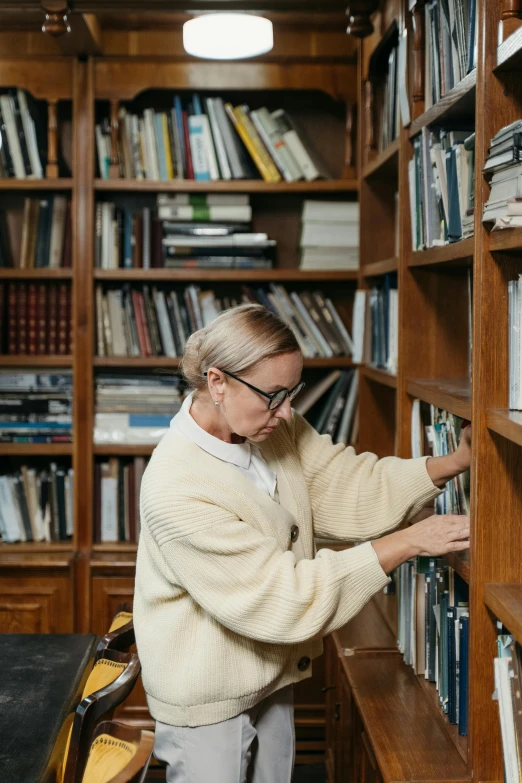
[
  {"x": 37, "y": 235},
  {"x": 35, "y": 318},
  {"x": 508, "y": 693},
  {"x": 450, "y": 45},
  {"x": 433, "y": 630},
  {"x": 135, "y": 408},
  {"x": 330, "y": 235},
  {"x": 22, "y": 136},
  {"x": 36, "y": 504},
  {"x": 208, "y": 139},
  {"x": 504, "y": 163},
  {"x": 212, "y": 231},
  {"x": 35, "y": 407},
  {"x": 117, "y": 484},
  {"x": 442, "y": 187},
  {"x": 138, "y": 321},
  {"x": 375, "y": 327},
  {"x": 330, "y": 405}
]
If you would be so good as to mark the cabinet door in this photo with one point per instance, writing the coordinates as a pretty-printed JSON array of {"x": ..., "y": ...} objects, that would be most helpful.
[
  {"x": 36, "y": 603},
  {"x": 107, "y": 593},
  {"x": 332, "y": 708},
  {"x": 369, "y": 771},
  {"x": 309, "y": 704}
]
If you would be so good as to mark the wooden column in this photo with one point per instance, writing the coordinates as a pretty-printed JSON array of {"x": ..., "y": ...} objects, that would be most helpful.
[
  {"x": 349, "y": 145},
  {"x": 510, "y": 19},
  {"x": 114, "y": 168},
  {"x": 418, "y": 54},
  {"x": 52, "y": 140},
  {"x": 369, "y": 129}
]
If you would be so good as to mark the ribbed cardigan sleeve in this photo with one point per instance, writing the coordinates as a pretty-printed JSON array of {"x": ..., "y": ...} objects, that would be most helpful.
[
  {"x": 246, "y": 583},
  {"x": 357, "y": 497}
]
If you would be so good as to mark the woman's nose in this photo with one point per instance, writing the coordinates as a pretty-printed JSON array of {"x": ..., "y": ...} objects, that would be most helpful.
[{"x": 285, "y": 410}]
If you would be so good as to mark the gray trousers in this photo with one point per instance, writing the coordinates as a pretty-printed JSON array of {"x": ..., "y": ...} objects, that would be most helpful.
[{"x": 254, "y": 747}]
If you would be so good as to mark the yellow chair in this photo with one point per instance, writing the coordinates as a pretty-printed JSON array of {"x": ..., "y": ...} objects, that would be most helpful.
[
  {"x": 120, "y": 635},
  {"x": 111, "y": 680},
  {"x": 118, "y": 754}
]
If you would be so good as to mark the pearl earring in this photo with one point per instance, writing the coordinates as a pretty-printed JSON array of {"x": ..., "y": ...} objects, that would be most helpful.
[{"x": 217, "y": 402}]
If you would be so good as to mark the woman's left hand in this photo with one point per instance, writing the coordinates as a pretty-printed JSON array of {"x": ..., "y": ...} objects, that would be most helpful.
[
  {"x": 442, "y": 469},
  {"x": 463, "y": 452}
]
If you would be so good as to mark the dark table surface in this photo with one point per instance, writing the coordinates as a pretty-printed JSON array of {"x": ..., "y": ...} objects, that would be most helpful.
[{"x": 40, "y": 681}]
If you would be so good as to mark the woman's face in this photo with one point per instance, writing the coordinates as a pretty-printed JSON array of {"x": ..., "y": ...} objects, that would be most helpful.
[{"x": 246, "y": 412}]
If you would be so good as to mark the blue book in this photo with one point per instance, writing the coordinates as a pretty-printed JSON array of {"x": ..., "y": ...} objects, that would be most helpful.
[
  {"x": 160, "y": 147},
  {"x": 127, "y": 238},
  {"x": 463, "y": 675},
  {"x": 35, "y": 425},
  {"x": 178, "y": 110},
  {"x": 196, "y": 104},
  {"x": 452, "y": 672},
  {"x": 149, "y": 420}
]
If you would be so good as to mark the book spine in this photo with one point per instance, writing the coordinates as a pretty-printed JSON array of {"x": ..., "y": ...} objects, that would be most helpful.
[
  {"x": 32, "y": 319},
  {"x": 63, "y": 320},
  {"x": 198, "y": 148},
  {"x": 188, "y": 154},
  {"x": 11, "y": 319},
  {"x": 41, "y": 318},
  {"x": 259, "y": 160},
  {"x": 21, "y": 317},
  {"x": 52, "y": 320}
]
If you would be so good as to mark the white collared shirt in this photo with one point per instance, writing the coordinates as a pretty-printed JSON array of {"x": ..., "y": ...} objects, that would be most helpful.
[{"x": 245, "y": 457}]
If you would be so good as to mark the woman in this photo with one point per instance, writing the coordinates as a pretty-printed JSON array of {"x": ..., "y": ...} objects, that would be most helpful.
[{"x": 231, "y": 601}]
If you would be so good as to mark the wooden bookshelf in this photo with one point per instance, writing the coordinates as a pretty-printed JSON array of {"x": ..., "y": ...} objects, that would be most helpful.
[
  {"x": 385, "y": 163},
  {"x": 458, "y": 103},
  {"x": 35, "y": 360},
  {"x": 460, "y": 562},
  {"x": 36, "y": 449},
  {"x": 35, "y": 274},
  {"x": 505, "y": 601},
  {"x": 450, "y": 395},
  {"x": 377, "y": 375},
  {"x": 153, "y": 362},
  {"x": 508, "y": 239},
  {"x": 432, "y": 696},
  {"x": 124, "y": 450},
  {"x": 460, "y": 253},
  {"x": 377, "y": 268},
  {"x": 227, "y": 275},
  {"x": 509, "y": 53},
  {"x": 227, "y": 186},
  {"x": 506, "y": 423},
  {"x": 37, "y": 184}
]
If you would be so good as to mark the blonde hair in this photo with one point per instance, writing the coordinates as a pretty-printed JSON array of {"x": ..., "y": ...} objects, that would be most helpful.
[{"x": 236, "y": 341}]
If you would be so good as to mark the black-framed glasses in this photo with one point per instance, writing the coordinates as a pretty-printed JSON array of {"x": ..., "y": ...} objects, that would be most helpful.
[{"x": 275, "y": 399}]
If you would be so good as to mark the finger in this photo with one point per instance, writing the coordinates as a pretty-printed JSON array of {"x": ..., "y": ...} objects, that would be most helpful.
[{"x": 459, "y": 546}]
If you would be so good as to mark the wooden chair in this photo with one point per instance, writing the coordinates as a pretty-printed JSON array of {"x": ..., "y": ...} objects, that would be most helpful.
[
  {"x": 111, "y": 680},
  {"x": 118, "y": 754},
  {"x": 120, "y": 635}
]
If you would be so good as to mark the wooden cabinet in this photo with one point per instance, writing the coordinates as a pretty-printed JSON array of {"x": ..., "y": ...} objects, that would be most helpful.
[{"x": 36, "y": 593}]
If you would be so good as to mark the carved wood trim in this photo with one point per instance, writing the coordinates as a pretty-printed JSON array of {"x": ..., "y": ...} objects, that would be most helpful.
[
  {"x": 350, "y": 142},
  {"x": 114, "y": 168},
  {"x": 52, "y": 139},
  {"x": 369, "y": 135},
  {"x": 510, "y": 19},
  {"x": 359, "y": 17}
]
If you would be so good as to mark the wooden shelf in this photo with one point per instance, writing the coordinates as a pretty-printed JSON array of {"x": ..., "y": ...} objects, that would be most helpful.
[
  {"x": 226, "y": 275},
  {"x": 379, "y": 376},
  {"x": 35, "y": 274},
  {"x": 226, "y": 186},
  {"x": 407, "y": 734},
  {"x": 124, "y": 449},
  {"x": 38, "y": 360},
  {"x": 377, "y": 268},
  {"x": 36, "y": 184},
  {"x": 11, "y": 557},
  {"x": 459, "y": 561},
  {"x": 37, "y": 547},
  {"x": 509, "y": 53},
  {"x": 154, "y": 362},
  {"x": 386, "y": 164},
  {"x": 507, "y": 239},
  {"x": 461, "y": 743},
  {"x": 36, "y": 449},
  {"x": 458, "y": 103},
  {"x": 116, "y": 546},
  {"x": 453, "y": 395},
  {"x": 457, "y": 253},
  {"x": 506, "y": 423},
  {"x": 505, "y": 601}
]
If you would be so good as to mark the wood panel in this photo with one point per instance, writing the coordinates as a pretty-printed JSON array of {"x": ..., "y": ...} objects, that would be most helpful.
[
  {"x": 505, "y": 602},
  {"x": 36, "y": 596}
]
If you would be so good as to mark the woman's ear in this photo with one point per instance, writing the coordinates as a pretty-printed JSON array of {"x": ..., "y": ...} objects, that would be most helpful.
[{"x": 216, "y": 383}]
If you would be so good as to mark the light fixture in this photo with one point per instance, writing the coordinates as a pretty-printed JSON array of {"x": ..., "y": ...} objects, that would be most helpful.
[{"x": 224, "y": 36}]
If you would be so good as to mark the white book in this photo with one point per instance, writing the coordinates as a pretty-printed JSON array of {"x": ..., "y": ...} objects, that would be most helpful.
[
  {"x": 304, "y": 344},
  {"x": 198, "y": 148},
  {"x": 146, "y": 238},
  {"x": 329, "y": 235},
  {"x": 109, "y": 505},
  {"x": 518, "y": 357},
  {"x": 211, "y": 200},
  {"x": 10, "y": 526},
  {"x": 57, "y": 231},
  {"x": 30, "y": 136},
  {"x": 209, "y": 148},
  {"x": 69, "y": 502},
  {"x": 296, "y": 146},
  {"x": 13, "y": 139},
  {"x": 330, "y": 211},
  {"x": 147, "y": 165},
  {"x": 29, "y": 483},
  {"x": 341, "y": 328},
  {"x": 413, "y": 203},
  {"x": 221, "y": 152},
  {"x": 359, "y": 309},
  {"x": 416, "y": 430},
  {"x": 271, "y": 148},
  {"x": 150, "y": 141},
  {"x": 393, "y": 331},
  {"x": 119, "y": 346},
  {"x": 167, "y": 339},
  {"x": 276, "y": 144},
  {"x": 212, "y": 213},
  {"x": 208, "y": 306},
  {"x": 348, "y": 413},
  {"x": 514, "y": 344},
  {"x": 503, "y": 675},
  {"x": 107, "y": 235},
  {"x": 309, "y": 326},
  {"x": 232, "y": 240}
]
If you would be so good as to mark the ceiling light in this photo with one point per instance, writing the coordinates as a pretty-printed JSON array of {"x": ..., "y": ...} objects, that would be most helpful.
[{"x": 228, "y": 36}]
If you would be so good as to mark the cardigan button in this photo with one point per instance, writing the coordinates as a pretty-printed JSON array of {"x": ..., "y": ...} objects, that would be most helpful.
[
  {"x": 294, "y": 533},
  {"x": 303, "y": 664}
]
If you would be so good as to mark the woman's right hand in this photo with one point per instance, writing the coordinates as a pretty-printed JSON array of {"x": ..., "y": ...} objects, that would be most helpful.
[{"x": 436, "y": 535}]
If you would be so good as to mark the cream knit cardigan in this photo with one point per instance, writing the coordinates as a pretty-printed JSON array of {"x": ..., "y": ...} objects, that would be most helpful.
[{"x": 223, "y": 613}]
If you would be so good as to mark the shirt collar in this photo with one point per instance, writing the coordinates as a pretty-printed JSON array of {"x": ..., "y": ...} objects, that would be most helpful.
[{"x": 238, "y": 454}]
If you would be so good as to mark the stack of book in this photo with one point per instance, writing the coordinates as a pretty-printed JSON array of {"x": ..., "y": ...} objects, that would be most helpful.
[
  {"x": 209, "y": 139},
  {"x": 433, "y": 620},
  {"x": 135, "y": 409},
  {"x": 330, "y": 235},
  {"x": 450, "y": 45},
  {"x": 117, "y": 486},
  {"x": 38, "y": 235},
  {"x": 442, "y": 186},
  {"x": 36, "y": 504},
  {"x": 23, "y": 137},
  {"x": 437, "y": 431},
  {"x": 331, "y": 406},
  {"x": 504, "y": 205},
  {"x": 508, "y": 692},
  {"x": 35, "y": 318},
  {"x": 210, "y": 231},
  {"x": 375, "y": 325},
  {"x": 35, "y": 407},
  {"x": 515, "y": 343},
  {"x": 157, "y": 322}
]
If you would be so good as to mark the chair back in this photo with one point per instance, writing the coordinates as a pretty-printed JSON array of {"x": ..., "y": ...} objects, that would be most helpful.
[
  {"x": 120, "y": 635},
  {"x": 111, "y": 680},
  {"x": 118, "y": 754}
]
